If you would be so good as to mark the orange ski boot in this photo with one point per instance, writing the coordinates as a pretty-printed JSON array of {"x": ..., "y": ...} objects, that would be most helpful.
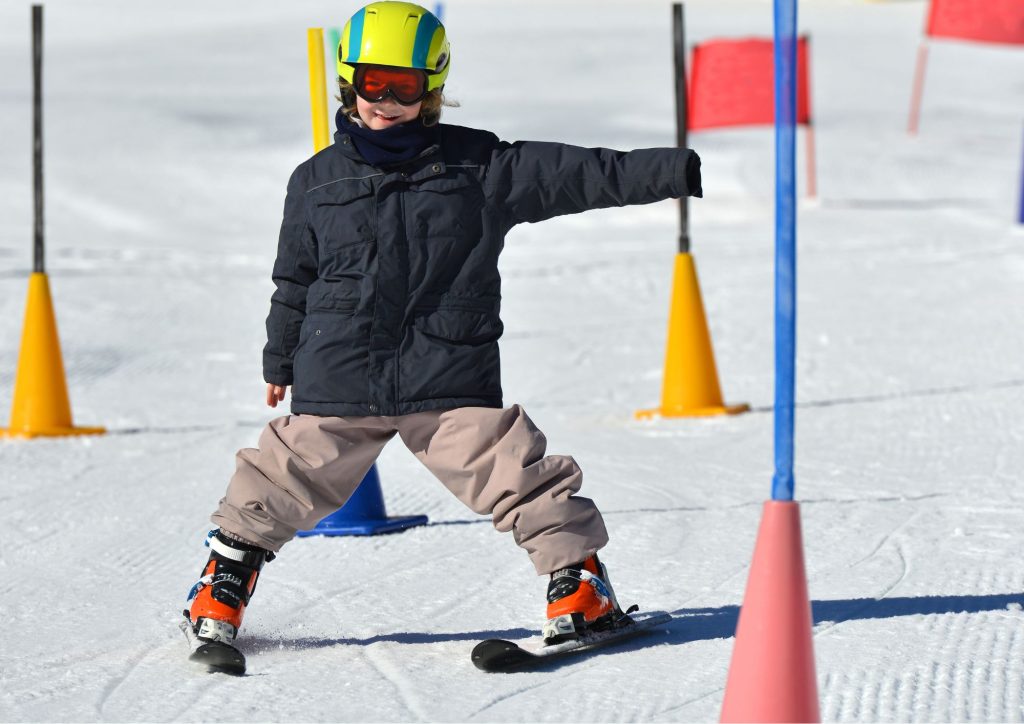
[
  {"x": 217, "y": 601},
  {"x": 580, "y": 598}
]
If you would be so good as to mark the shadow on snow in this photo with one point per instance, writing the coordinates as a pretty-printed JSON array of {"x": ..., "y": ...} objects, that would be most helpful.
[
  {"x": 688, "y": 624},
  {"x": 699, "y": 624}
]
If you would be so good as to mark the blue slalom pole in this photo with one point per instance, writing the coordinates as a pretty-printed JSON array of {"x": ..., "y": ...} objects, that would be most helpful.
[
  {"x": 1020, "y": 214},
  {"x": 785, "y": 245}
]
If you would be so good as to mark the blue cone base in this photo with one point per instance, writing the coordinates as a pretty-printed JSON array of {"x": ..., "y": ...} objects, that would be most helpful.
[
  {"x": 363, "y": 527},
  {"x": 364, "y": 513}
]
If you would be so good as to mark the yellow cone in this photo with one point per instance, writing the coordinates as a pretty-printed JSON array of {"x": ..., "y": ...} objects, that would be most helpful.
[
  {"x": 690, "y": 387},
  {"x": 41, "y": 406}
]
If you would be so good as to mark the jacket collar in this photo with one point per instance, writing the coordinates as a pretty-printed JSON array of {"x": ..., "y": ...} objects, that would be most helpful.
[
  {"x": 427, "y": 164},
  {"x": 389, "y": 148}
]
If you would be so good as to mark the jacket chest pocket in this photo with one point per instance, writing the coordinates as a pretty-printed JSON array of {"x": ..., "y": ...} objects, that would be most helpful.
[
  {"x": 441, "y": 208},
  {"x": 343, "y": 215}
]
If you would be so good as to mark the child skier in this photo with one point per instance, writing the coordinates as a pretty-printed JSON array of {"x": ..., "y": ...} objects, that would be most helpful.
[{"x": 385, "y": 321}]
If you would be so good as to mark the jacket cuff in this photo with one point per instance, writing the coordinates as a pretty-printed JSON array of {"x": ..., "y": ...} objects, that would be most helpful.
[
  {"x": 688, "y": 176},
  {"x": 277, "y": 378}
]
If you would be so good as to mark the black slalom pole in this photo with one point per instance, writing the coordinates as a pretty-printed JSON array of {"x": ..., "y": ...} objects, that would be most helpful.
[
  {"x": 38, "y": 263},
  {"x": 690, "y": 385},
  {"x": 680, "y": 65}
]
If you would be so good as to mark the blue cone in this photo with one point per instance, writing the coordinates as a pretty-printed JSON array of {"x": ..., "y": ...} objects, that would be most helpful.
[{"x": 364, "y": 514}]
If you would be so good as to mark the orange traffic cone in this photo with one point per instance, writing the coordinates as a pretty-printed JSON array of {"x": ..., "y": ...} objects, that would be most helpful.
[
  {"x": 41, "y": 406},
  {"x": 771, "y": 677},
  {"x": 690, "y": 386}
]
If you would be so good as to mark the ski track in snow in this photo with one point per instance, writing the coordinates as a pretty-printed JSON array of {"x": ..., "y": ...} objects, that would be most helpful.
[
  {"x": 393, "y": 674},
  {"x": 506, "y": 697},
  {"x": 886, "y": 539},
  {"x": 115, "y": 683}
]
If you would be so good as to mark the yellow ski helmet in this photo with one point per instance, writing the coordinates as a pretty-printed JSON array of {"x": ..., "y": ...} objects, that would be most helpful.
[{"x": 399, "y": 34}]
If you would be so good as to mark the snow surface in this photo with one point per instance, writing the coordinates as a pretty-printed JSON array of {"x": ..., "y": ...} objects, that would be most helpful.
[{"x": 171, "y": 129}]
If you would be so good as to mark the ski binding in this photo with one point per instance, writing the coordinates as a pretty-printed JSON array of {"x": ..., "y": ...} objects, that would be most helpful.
[{"x": 497, "y": 655}]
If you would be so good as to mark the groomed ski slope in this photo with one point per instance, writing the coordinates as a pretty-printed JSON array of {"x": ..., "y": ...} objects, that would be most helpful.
[{"x": 171, "y": 130}]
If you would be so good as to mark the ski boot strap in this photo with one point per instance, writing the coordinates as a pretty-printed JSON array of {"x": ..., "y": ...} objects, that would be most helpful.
[
  {"x": 235, "y": 551},
  {"x": 236, "y": 568}
]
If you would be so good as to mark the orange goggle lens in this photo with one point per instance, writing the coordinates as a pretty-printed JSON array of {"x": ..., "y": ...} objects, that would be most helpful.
[{"x": 375, "y": 83}]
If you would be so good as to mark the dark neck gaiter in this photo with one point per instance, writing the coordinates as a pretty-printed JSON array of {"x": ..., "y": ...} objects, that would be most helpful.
[{"x": 391, "y": 146}]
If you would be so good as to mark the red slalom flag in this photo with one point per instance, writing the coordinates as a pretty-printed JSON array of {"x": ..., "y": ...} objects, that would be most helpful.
[
  {"x": 988, "y": 21},
  {"x": 732, "y": 83}
]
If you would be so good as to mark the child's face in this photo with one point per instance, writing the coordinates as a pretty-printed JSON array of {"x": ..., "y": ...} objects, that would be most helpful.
[{"x": 386, "y": 113}]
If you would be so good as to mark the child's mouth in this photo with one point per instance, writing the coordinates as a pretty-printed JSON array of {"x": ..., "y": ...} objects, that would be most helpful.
[{"x": 386, "y": 118}]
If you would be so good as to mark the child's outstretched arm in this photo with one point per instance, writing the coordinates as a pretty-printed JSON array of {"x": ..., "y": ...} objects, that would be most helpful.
[
  {"x": 535, "y": 180},
  {"x": 294, "y": 270}
]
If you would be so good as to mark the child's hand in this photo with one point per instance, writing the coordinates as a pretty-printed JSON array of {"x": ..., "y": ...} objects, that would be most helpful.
[{"x": 275, "y": 394}]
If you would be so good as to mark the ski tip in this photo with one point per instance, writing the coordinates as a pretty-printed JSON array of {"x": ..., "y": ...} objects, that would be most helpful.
[
  {"x": 216, "y": 656},
  {"x": 219, "y": 658},
  {"x": 496, "y": 655}
]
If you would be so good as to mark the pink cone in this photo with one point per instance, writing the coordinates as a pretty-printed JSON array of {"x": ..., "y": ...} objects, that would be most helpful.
[{"x": 772, "y": 677}]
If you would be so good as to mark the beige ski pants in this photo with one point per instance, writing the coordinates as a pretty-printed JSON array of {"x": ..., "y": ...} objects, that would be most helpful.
[{"x": 492, "y": 459}]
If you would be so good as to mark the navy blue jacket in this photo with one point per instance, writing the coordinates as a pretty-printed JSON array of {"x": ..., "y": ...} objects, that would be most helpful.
[{"x": 388, "y": 290}]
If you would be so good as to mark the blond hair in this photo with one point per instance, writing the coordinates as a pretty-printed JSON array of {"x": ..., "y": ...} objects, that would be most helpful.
[{"x": 430, "y": 111}]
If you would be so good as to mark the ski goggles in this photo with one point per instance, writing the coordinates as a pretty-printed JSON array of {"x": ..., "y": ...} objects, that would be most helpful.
[{"x": 374, "y": 83}]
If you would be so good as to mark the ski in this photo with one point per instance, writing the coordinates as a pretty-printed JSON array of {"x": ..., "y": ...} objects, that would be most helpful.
[
  {"x": 497, "y": 655},
  {"x": 215, "y": 655}
]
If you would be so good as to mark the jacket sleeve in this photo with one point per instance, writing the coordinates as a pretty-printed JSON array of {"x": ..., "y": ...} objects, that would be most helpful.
[
  {"x": 294, "y": 270},
  {"x": 532, "y": 181}
]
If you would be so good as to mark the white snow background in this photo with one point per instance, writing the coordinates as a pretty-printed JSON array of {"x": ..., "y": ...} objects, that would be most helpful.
[{"x": 171, "y": 129}]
